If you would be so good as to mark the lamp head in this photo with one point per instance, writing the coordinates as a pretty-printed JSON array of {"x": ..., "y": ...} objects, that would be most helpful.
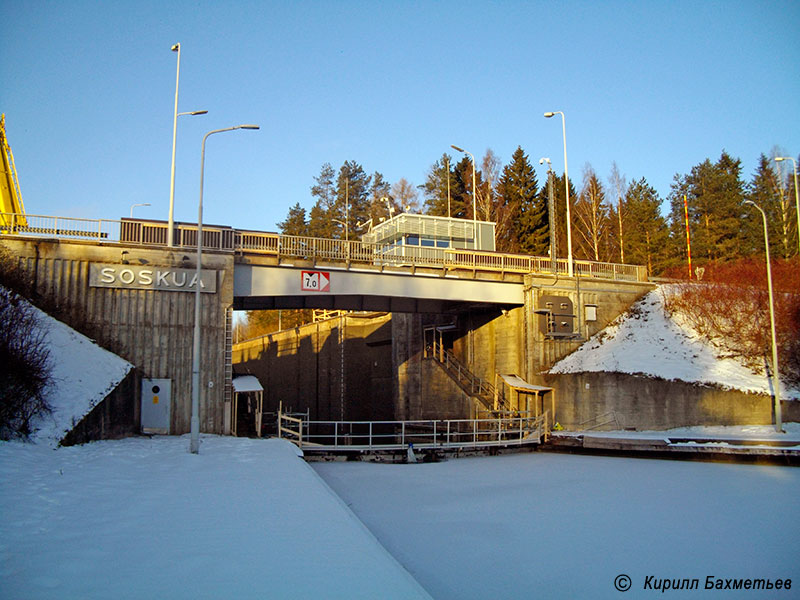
[
  {"x": 249, "y": 127},
  {"x": 199, "y": 112},
  {"x": 176, "y": 47},
  {"x": 456, "y": 148},
  {"x": 779, "y": 158},
  {"x": 544, "y": 160},
  {"x": 549, "y": 114}
]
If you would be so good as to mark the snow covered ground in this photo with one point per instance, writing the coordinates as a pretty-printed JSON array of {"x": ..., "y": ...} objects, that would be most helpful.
[
  {"x": 143, "y": 518},
  {"x": 547, "y": 525},
  {"x": 647, "y": 341}
]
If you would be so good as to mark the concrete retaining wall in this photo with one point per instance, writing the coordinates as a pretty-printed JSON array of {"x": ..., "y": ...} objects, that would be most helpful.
[
  {"x": 117, "y": 416},
  {"x": 152, "y": 329},
  {"x": 585, "y": 400}
]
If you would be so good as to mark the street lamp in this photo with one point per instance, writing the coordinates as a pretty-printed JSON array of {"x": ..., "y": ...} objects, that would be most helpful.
[
  {"x": 447, "y": 168},
  {"x": 474, "y": 190},
  {"x": 796, "y": 197},
  {"x": 135, "y": 205},
  {"x": 775, "y": 377},
  {"x": 566, "y": 185},
  {"x": 194, "y": 444},
  {"x": 176, "y": 48},
  {"x": 551, "y": 215}
]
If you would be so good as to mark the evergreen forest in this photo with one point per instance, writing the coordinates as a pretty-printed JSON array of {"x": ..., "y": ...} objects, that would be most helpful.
[{"x": 614, "y": 218}]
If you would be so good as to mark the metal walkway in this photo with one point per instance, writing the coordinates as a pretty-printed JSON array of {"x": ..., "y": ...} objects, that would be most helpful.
[{"x": 502, "y": 430}]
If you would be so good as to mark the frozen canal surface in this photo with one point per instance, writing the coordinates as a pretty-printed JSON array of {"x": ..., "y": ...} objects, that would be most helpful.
[{"x": 546, "y": 525}]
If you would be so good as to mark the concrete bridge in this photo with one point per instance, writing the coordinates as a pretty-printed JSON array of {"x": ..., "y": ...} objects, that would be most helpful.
[{"x": 119, "y": 282}]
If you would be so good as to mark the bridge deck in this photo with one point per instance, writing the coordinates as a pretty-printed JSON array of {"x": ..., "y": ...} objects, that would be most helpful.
[{"x": 287, "y": 248}]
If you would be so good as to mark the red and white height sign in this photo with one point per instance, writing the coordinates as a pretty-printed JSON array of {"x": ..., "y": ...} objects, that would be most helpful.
[{"x": 315, "y": 281}]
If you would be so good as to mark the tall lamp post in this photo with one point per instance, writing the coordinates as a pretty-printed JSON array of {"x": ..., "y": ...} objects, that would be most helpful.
[
  {"x": 775, "y": 377},
  {"x": 551, "y": 215},
  {"x": 194, "y": 444},
  {"x": 176, "y": 48},
  {"x": 566, "y": 185},
  {"x": 474, "y": 194},
  {"x": 796, "y": 195}
]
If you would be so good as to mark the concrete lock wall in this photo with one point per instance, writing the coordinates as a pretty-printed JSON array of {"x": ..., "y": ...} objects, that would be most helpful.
[
  {"x": 588, "y": 400},
  {"x": 338, "y": 369},
  {"x": 151, "y": 328}
]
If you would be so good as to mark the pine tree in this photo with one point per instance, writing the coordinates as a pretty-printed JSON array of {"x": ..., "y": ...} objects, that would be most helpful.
[
  {"x": 320, "y": 223},
  {"x": 461, "y": 196},
  {"x": 521, "y": 212},
  {"x": 295, "y": 223},
  {"x": 379, "y": 191},
  {"x": 645, "y": 231},
  {"x": 436, "y": 190},
  {"x": 353, "y": 189},
  {"x": 560, "y": 203},
  {"x": 773, "y": 191},
  {"x": 714, "y": 193}
]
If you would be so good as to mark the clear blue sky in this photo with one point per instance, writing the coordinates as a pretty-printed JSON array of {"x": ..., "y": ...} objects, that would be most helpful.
[{"x": 88, "y": 91}]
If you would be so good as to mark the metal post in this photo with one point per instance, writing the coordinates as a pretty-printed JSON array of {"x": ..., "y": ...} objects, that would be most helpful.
[
  {"x": 194, "y": 444},
  {"x": 170, "y": 240},
  {"x": 476, "y": 236},
  {"x": 775, "y": 376},
  {"x": 175, "y": 48},
  {"x": 566, "y": 185},
  {"x": 688, "y": 237}
]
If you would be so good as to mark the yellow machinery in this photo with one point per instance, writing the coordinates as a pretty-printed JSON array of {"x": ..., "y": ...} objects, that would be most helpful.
[{"x": 11, "y": 209}]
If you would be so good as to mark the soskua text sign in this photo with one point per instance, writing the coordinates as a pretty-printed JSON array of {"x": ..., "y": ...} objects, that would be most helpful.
[{"x": 167, "y": 279}]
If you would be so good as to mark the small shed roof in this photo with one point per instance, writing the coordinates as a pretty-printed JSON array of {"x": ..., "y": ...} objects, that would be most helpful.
[
  {"x": 247, "y": 383},
  {"x": 518, "y": 383}
]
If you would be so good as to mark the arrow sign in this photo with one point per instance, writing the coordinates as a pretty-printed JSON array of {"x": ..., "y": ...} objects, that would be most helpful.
[{"x": 315, "y": 281}]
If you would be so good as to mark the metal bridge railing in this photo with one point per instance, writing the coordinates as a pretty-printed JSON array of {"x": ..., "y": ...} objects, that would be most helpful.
[
  {"x": 227, "y": 239},
  {"x": 59, "y": 227},
  {"x": 447, "y": 434}
]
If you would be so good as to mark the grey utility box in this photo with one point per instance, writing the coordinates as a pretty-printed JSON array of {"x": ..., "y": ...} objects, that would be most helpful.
[{"x": 156, "y": 403}]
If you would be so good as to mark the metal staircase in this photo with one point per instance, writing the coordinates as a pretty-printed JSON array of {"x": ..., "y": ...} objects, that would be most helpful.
[{"x": 474, "y": 386}]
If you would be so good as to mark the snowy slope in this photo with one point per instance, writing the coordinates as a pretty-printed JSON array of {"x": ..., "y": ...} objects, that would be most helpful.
[
  {"x": 83, "y": 374},
  {"x": 647, "y": 341}
]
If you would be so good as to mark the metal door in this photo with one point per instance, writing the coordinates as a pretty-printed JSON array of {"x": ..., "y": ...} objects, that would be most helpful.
[{"x": 156, "y": 403}]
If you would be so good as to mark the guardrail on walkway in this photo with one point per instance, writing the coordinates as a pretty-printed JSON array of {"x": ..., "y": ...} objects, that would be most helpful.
[
  {"x": 447, "y": 434},
  {"x": 145, "y": 232}
]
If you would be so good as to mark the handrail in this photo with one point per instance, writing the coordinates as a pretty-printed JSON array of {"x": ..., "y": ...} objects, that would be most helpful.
[
  {"x": 610, "y": 417},
  {"x": 440, "y": 434},
  {"x": 478, "y": 387},
  {"x": 227, "y": 239}
]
